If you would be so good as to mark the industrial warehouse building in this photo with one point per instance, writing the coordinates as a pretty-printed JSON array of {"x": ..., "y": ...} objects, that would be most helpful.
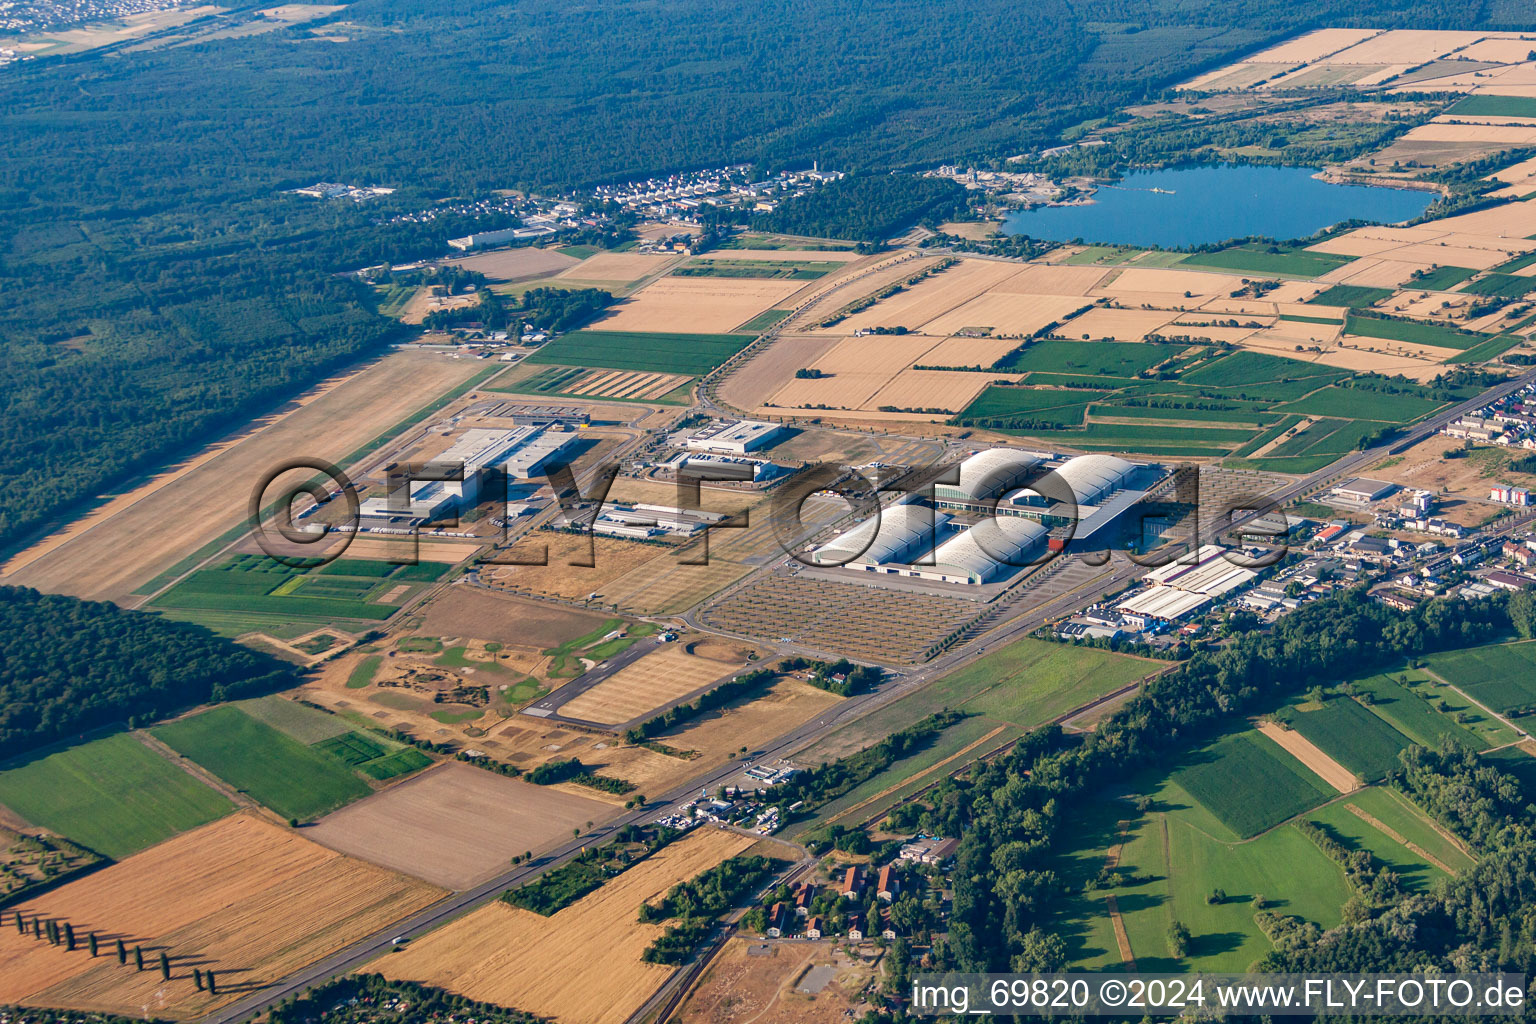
[
  {"x": 521, "y": 453},
  {"x": 734, "y": 437},
  {"x": 988, "y": 524}
]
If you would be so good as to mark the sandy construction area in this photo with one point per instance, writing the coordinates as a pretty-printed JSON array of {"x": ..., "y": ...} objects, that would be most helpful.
[
  {"x": 1010, "y": 313},
  {"x": 455, "y": 825},
  {"x": 151, "y": 529},
  {"x": 654, "y": 681},
  {"x": 581, "y": 964},
  {"x": 620, "y": 266},
  {"x": 241, "y": 897},
  {"x": 931, "y": 297},
  {"x": 470, "y": 611},
  {"x": 1303, "y": 750},
  {"x": 517, "y": 264},
  {"x": 697, "y": 305},
  {"x": 612, "y": 557}
]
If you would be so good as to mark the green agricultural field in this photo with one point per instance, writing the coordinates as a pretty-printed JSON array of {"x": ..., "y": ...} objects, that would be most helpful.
[
  {"x": 264, "y": 593},
  {"x": 306, "y": 724},
  {"x": 1345, "y": 731},
  {"x": 1294, "y": 263},
  {"x": 1504, "y": 286},
  {"x": 1495, "y": 106},
  {"x": 1269, "y": 435},
  {"x": 1176, "y": 859},
  {"x": 788, "y": 270},
  {"x": 1244, "y": 369},
  {"x": 1441, "y": 279},
  {"x": 1360, "y": 404},
  {"x": 693, "y": 354},
  {"x": 1023, "y": 685},
  {"x": 999, "y": 403},
  {"x": 1417, "y": 872},
  {"x": 1502, "y": 676},
  {"x": 1316, "y": 446},
  {"x": 1298, "y": 319},
  {"x": 1410, "y": 715},
  {"x": 294, "y": 780},
  {"x": 1088, "y": 358},
  {"x": 1251, "y": 785},
  {"x": 1411, "y": 331},
  {"x": 1490, "y": 349},
  {"x": 1518, "y": 263},
  {"x": 1350, "y": 295},
  {"x": 1227, "y": 415},
  {"x": 764, "y": 320},
  {"x": 113, "y": 795}
]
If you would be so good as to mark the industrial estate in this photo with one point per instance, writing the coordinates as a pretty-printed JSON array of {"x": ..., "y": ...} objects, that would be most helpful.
[{"x": 694, "y": 616}]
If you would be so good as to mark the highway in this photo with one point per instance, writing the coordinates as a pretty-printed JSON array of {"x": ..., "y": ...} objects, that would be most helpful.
[{"x": 359, "y": 953}]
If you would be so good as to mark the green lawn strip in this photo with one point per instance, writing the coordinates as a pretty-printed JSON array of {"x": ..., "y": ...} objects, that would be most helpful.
[
  {"x": 1296, "y": 263},
  {"x": 113, "y": 795},
  {"x": 1411, "y": 331},
  {"x": 1244, "y": 369},
  {"x": 998, "y": 403},
  {"x": 1350, "y": 295},
  {"x": 1251, "y": 784},
  {"x": 292, "y": 779},
  {"x": 401, "y": 762},
  {"x": 1502, "y": 676},
  {"x": 580, "y": 252},
  {"x": 1344, "y": 730},
  {"x": 1518, "y": 263},
  {"x": 695, "y": 354},
  {"x": 1452, "y": 703},
  {"x": 1297, "y": 318}
]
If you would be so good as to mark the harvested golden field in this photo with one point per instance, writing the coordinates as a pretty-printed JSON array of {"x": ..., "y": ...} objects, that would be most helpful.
[
  {"x": 787, "y": 703},
  {"x": 1042, "y": 279},
  {"x": 666, "y": 588},
  {"x": 969, "y": 351},
  {"x": 516, "y": 264},
  {"x": 1100, "y": 323},
  {"x": 1404, "y": 46},
  {"x": 455, "y": 825},
  {"x": 1311, "y": 46},
  {"x": 931, "y": 297},
  {"x": 636, "y": 690},
  {"x": 772, "y": 367},
  {"x": 854, "y": 371},
  {"x": 1376, "y": 273},
  {"x": 926, "y": 390},
  {"x": 624, "y": 384},
  {"x": 130, "y": 540},
  {"x": 581, "y": 964},
  {"x": 241, "y": 897},
  {"x": 1134, "y": 284},
  {"x": 1237, "y": 76},
  {"x": 1450, "y": 255},
  {"x": 447, "y": 552},
  {"x": 1515, "y": 220},
  {"x": 1500, "y": 135},
  {"x": 697, "y": 305},
  {"x": 1012, "y": 313},
  {"x": 626, "y": 267}
]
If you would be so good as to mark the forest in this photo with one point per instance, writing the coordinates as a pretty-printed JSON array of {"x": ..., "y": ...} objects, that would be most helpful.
[
  {"x": 869, "y": 208},
  {"x": 156, "y": 289},
  {"x": 68, "y": 666}
]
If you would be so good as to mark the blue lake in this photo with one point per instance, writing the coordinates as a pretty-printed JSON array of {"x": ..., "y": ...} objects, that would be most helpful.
[{"x": 1215, "y": 203}]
